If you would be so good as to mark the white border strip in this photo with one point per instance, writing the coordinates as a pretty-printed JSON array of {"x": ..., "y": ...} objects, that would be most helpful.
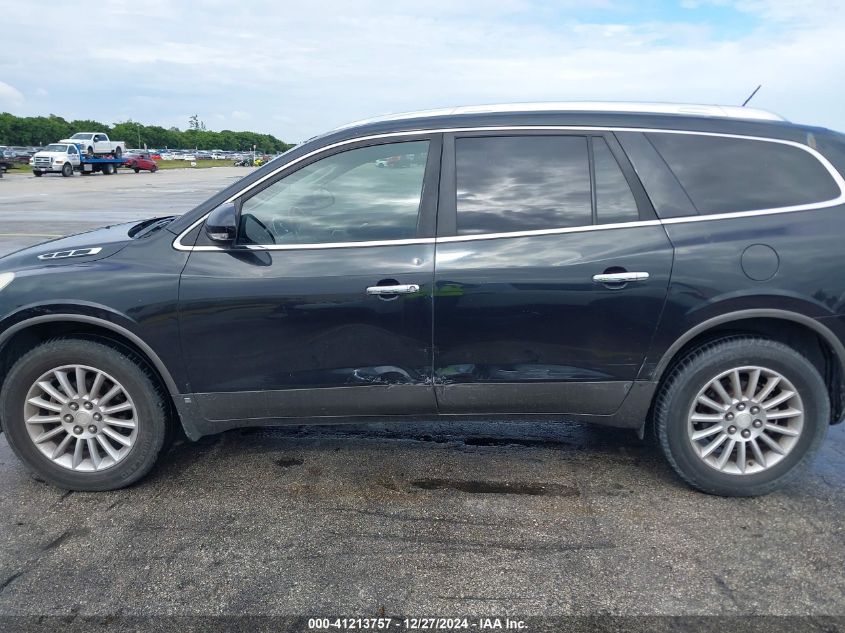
[{"x": 837, "y": 177}]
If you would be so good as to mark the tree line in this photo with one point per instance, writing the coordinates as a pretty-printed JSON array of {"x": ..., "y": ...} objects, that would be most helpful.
[{"x": 41, "y": 130}]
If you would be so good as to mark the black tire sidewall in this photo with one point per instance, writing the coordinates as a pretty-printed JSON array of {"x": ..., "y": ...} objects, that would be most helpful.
[
  {"x": 686, "y": 385},
  {"x": 148, "y": 404}
]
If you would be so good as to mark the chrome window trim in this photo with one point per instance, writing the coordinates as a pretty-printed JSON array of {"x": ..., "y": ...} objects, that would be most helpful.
[{"x": 837, "y": 178}]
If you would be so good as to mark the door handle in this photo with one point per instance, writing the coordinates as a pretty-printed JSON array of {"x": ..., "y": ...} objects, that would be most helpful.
[
  {"x": 619, "y": 278},
  {"x": 398, "y": 289}
]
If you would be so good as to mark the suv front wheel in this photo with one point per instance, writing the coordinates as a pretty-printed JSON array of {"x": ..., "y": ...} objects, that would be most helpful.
[
  {"x": 82, "y": 415},
  {"x": 741, "y": 416}
]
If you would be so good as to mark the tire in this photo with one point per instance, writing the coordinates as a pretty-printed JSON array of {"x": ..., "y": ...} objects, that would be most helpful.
[
  {"x": 153, "y": 169},
  {"x": 136, "y": 170},
  {"x": 37, "y": 173},
  {"x": 148, "y": 414},
  {"x": 118, "y": 152},
  {"x": 67, "y": 170},
  {"x": 107, "y": 169},
  {"x": 89, "y": 151},
  {"x": 742, "y": 474}
]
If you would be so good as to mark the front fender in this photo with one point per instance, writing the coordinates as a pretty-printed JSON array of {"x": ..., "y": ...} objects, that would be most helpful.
[{"x": 89, "y": 314}]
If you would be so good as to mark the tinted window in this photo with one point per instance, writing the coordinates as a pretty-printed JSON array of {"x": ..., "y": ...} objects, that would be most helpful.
[
  {"x": 723, "y": 174},
  {"x": 522, "y": 183},
  {"x": 371, "y": 193},
  {"x": 614, "y": 200},
  {"x": 667, "y": 196}
]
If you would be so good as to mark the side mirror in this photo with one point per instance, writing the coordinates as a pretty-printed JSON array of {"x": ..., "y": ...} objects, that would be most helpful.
[{"x": 221, "y": 225}]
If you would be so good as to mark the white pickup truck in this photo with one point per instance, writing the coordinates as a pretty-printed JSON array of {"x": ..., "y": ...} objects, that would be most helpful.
[{"x": 97, "y": 143}]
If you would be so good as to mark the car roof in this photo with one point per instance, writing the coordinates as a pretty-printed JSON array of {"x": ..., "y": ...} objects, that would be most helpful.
[{"x": 566, "y": 107}]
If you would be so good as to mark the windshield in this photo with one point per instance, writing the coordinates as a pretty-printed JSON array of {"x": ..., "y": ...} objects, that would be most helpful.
[
  {"x": 82, "y": 135},
  {"x": 55, "y": 147}
]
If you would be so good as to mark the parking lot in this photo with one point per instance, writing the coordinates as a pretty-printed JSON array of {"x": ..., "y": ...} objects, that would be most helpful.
[{"x": 436, "y": 519}]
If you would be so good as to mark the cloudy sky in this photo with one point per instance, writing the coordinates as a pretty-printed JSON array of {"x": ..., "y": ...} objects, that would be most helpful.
[{"x": 296, "y": 68}]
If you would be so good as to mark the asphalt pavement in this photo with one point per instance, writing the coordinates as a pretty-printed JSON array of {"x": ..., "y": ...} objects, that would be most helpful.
[{"x": 435, "y": 519}]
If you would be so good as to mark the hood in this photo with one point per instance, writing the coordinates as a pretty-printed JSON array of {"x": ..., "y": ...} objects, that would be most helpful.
[
  {"x": 45, "y": 153},
  {"x": 74, "y": 249}
]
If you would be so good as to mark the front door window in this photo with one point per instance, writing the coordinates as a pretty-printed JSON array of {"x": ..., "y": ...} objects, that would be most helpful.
[{"x": 360, "y": 195}]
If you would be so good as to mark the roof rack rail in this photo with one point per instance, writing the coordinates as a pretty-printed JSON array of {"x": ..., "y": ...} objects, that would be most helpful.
[{"x": 685, "y": 109}]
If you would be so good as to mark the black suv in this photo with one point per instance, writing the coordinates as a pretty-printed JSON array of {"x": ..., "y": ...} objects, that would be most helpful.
[{"x": 636, "y": 266}]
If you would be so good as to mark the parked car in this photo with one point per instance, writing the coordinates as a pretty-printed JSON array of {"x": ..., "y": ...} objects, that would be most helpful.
[
  {"x": 660, "y": 269},
  {"x": 97, "y": 143},
  {"x": 140, "y": 161},
  {"x": 7, "y": 159},
  {"x": 20, "y": 155},
  {"x": 403, "y": 160}
]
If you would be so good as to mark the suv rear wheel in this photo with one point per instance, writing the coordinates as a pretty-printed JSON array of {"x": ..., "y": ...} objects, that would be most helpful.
[
  {"x": 742, "y": 416},
  {"x": 83, "y": 415}
]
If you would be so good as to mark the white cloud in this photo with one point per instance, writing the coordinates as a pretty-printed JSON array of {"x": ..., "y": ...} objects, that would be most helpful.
[
  {"x": 296, "y": 69},
  {"x": 10, "y": 97}
]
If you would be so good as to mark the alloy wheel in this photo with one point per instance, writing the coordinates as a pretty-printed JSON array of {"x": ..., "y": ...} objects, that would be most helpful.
[
  {"x": 81, "y": 418},
  {"x": 745, "y": 420}
]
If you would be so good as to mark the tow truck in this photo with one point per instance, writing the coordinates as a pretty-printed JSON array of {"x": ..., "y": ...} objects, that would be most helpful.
[{"x": 66, "y": 158}]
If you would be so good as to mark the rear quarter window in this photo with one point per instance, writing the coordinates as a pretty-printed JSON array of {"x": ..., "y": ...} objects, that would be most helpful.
[{"x": 724, "y": 174}]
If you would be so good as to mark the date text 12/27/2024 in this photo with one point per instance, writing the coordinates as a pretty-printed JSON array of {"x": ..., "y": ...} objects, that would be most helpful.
[{"x": 415, "y": 624}]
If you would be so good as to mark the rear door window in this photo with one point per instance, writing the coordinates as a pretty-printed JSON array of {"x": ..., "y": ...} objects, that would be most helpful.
[
  {"x": 614, "y": 200},
  {"x": 522, "y": 183}
]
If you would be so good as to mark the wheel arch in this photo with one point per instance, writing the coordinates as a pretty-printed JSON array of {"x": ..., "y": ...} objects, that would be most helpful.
[
  {"x": 26, "y": 334},
  {"x": 806, "y": 334}
]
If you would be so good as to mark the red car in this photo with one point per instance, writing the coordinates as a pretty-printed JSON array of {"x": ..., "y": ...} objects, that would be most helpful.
[{"x": 140, "y": 161}]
